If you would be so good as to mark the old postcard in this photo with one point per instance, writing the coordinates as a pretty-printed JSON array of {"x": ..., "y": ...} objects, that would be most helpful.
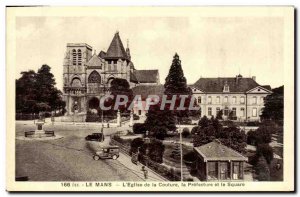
[{"x": 150, "y": 99}]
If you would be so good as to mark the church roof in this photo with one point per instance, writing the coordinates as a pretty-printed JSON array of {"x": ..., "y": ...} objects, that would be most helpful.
[
  {"x": 94, "y": 61},
  {"x": 116, "y": 49},
  {"x": 146, "y": 90},
  {"x": 236, "y": 84},
  {"x": 146, "y": 76},
  {"x": 215, "y": 151}
]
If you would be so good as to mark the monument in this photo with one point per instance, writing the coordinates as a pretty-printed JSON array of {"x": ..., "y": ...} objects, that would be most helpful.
[{"x": 39, "y": 132}]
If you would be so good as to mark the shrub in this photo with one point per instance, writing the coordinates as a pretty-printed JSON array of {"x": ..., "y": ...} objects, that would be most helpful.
[
  {"x": 135, "y": 117},
  {"x": 191, "y": 156},
  {"x": 262, "y": 169},
  {"x": 266, "y": 151},
  {"x": 159, "y": 132},
  {"x": 139, "y": 128},
  {"x": 156, "y": 150},
  {"x": 185, "y": 132},
  {"x": 135, "y": 144},
  {"x": 195, "y": 130}
]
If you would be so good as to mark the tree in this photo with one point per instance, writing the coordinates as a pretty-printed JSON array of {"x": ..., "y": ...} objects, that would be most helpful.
[
  {"x": 175, "y": 85},
  {"x": 204, "y": 122},
  {"x": 176, "y": 152},
  {"x": 36, "y": 92},
  {"x": 274, "y": 105},
  {"x": 158, "y": 121},
  {"x": 204, "y": 135},
  {"x": 118, "y": 87},
  {"x": 156, "y": 150},
  {"x": 136, "y": 144},
  {"x": 220, "y": 115}
]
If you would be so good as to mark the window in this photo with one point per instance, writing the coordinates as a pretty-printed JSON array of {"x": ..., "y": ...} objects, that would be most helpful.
[
  {"x": 226, "y": 99},
  {"x": 209, "y": 111},
  {"x": 254, "y": 112},
  {"x": 140, "y": 112},
  {"x": 234, "y": 112},
  {"x": 218, "y": 99},
  {"x": 217, "y": 110},
  {"x": 79, "y": 56},
  {"x": 237, "y": 170},
  {"x": 226, "y": 88},
  {"x": 254, "y": 100},
  {"x": 200, "y": 112},
  {"x": 94, "y": 77},
  {"x": 226, "y": 111},
  {"x": 242, "y": 111},
  {"x": 209, "y": 100},
  {"x": 242, "y": 100},
  {"x": 234, "y": 99},
  {"x": 199, "y": 99},
  {"x": 212, "y": 170},
  {"x": 76, "y": 82},
  {"x": 74, "y": 57},
  {"x": 262, "y": 100}
]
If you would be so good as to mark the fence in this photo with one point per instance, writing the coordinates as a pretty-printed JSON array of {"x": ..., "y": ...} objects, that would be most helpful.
[
  {"x": 169, "y": 173},
  {"x": 33, "y": 116}
]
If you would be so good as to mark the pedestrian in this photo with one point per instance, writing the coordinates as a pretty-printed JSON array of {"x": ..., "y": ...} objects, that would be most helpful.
[{"x": 145, "y": 172}]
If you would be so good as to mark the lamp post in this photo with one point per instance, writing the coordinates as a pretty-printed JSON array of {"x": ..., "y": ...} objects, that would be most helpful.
[{"x": 180, "y": 142}]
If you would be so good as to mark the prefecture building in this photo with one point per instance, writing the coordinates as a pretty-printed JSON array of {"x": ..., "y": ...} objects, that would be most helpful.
[{"x": 236, "y": 97}]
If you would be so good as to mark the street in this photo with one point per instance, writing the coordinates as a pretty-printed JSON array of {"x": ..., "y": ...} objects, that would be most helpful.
[{"x": 68, "y": 158}]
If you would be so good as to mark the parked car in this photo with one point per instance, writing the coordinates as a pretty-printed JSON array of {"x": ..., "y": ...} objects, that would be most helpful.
[
  {"x": 95, "y": 137},
  {"x": 107, "y": 152}
]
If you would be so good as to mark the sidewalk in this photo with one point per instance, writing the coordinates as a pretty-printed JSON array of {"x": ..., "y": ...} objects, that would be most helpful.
[{"x": 152, "y": 176}]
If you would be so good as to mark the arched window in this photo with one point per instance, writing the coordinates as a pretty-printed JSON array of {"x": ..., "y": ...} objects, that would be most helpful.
[
  {"x": 79, "y": 58},
  {"x": 226, "y": 99},
  {"x": 76, "y": 82},
  {"x": 94, "y": 77},
  {"x": 74, "y": 57}
]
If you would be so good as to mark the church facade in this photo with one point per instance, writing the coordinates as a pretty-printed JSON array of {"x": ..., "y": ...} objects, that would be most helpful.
[{"x": 87, "y": 75}]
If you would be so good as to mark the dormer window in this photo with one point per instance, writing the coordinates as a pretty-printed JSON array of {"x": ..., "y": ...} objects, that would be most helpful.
[{"x": 226, "y": 88}]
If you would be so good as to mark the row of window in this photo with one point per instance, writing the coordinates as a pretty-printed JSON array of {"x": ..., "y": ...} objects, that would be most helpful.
[
  {"x": 77, "y": 57},
  {"x": 226, "y": 111},
  {"x": 224, "y": 171},
  {"x": 254, "y": 100}
]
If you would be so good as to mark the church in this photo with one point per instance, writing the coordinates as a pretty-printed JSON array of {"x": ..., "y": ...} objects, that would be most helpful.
[{"x": 87, "y": 75}]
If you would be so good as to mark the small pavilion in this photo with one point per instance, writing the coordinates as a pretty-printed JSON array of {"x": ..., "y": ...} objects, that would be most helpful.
[{"x": 217, "y": 162}]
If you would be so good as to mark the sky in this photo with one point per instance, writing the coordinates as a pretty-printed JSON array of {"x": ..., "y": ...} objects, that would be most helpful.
[{"x": 207, "y": 46}]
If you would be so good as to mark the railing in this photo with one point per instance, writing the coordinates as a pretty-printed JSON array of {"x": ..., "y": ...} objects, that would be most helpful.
[{"x": 162, "y": 170}]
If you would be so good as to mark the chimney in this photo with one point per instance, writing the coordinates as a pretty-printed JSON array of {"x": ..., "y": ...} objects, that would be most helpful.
[
  {"x": 254, "y": 78},
  {"x": 237, "y": 77}
]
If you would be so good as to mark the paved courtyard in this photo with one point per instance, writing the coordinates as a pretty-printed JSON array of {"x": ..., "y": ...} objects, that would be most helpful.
[{"x": 67, "y": 158}]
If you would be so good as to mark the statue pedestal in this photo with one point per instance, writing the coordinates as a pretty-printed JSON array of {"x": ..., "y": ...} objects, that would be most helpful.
[{"x": 39, "y": 132}]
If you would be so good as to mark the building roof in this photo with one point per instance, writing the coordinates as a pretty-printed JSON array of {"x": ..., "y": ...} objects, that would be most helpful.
[
  {"x": 216, "y": 151},
  {"x": 236, "y": 84},
  {"x": 268, "y": 87},
  {"x": 116, "y": 49},
  {"x": 146, "y": 76},
  {"x": 94, "y": 61},
  {"x": 146, "y": 90}
]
